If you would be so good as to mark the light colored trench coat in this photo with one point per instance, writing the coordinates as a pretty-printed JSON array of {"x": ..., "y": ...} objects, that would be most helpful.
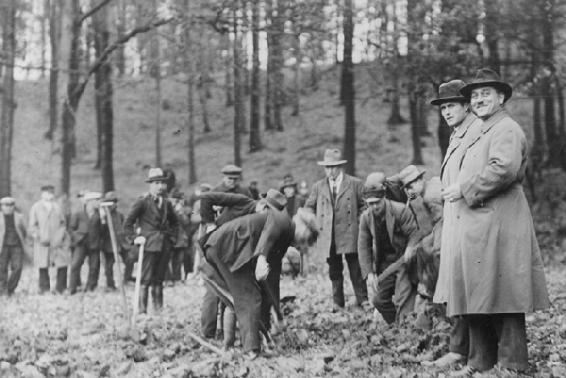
[
  {"x": 449, "y": 171},
  {"x": 496, "y": 266},
  {"x": 342, "y": 217},
  {"x": 48, "y": 224}
]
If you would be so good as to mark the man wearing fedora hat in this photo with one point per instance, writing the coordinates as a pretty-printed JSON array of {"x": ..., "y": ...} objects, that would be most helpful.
[
  {"x": 51, "y": 242},
  {"x": 387, "y": 230},
  {"x": 13, "y": 235},
  {"x": 496, "y": 271},
  {"x": 294, "y": 199},
  {"x": 337, "y": 200},
  {"x": 158, "y": 224},
  {"x": 455, "y": 109}
]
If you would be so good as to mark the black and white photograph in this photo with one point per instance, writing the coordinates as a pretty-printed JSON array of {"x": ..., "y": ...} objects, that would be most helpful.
[{"x": 282, "y": 188}]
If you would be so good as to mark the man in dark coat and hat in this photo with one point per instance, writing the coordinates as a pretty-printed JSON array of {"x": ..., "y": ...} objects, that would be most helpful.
[
  {"x": 156, "y": 218},
  {"x": 496, "y": 273}
]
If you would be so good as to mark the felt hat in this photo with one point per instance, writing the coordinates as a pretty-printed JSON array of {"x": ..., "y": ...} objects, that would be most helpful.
[
  {"x": 450, "y": 92},
  {"x": 110, "y": 196},
  {"x": 374, "y": 189},
  {"x": 288, "y": 180},
  {"x": 92, "y": 196},
  {"x": 410, "y": 174},
  {"x": 7, "y": 201},
  {"x": 155, "y": 174},
  {"x": 48, "y": 188},
  {"x": 231, "y": 170},
  {"x": 487, "y": 78},
  {"x": 332, "y": 157},
  {"x": 275, "y": 199}
]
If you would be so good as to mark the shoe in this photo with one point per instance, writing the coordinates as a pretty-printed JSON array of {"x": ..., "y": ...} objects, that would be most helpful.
[
  {"x": 466, "y": 371},
  {"x": 446, "y": 360}
]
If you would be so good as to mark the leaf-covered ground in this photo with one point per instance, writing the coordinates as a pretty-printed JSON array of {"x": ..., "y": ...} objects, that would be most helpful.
[{"x": 86, "y": 336}]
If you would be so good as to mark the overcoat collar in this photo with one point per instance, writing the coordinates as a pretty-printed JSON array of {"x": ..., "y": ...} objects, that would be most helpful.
[{"x": 457, "y": 137}]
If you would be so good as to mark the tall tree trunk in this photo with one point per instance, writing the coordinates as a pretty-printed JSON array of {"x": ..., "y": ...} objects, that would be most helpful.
[
  {"x": 492, "y": 21},
  {"x": 71, "y": 102},
  {"x": 547, "y": 90},
  {"x": 255, "y": 138},
  {"x": 228, "y": 70},
  {"x": 238, "y": 93},
  {"x": 349, "y": 99},
  {"x": 104, "y": 98},
  {"x": 55, "y": 25},
  {"x": 395, "y": 117},
  {"x": 415, "y": 134},
  {"x": 297, "y": 72},
  {"x": 204, "y": 83},
  {"x": 278, "y": 26},
  {"x": 155, "y": 72},
  {"x": 120, "y": 30},
  {"x": 268, "y": 109},
  {"x": 44, "y": 20},
  {"x": 8, "y": 16},
  {"x": 189, "y": 65}
]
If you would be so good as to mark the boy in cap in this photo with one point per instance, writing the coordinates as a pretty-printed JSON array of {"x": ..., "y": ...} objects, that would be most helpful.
[
  {"x": 337, "y": 200},
  {"x": 154, "y": 215},
  {"x": 85, "y": 229},
  {"x": 51, "y": 243},
  {"x": 12, "y": 241}
]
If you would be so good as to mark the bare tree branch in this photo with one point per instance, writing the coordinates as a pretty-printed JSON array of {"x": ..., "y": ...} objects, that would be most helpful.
[{"x": 93, "y": 11}]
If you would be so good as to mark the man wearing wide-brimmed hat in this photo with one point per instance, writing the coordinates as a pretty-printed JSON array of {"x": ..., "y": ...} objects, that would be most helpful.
[
  {"x": 337, "y": 200},
  {"x": 387, "y": 230},
  {"x": 13, "y": 235},
  {"x": 294, "y": 199},
  {"x": 51, "y": 242},
  {"x": 496, "y": 273},
  {"x": 455, "y": 109},
  {"x": 158, "y": 224}
]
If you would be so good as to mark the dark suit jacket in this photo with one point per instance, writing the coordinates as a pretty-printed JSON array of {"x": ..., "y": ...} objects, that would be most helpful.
[
  {"x": 269, "y": 233},
  {"x": 85, "y": 231},
  {"x": 117, "y": 222},
  {"x": 401, "y": 228},
  {"x": 235, "y": 205},
  {"x": 155, "y": 224}
]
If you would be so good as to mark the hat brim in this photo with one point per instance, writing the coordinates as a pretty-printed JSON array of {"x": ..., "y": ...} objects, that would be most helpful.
[
  {"x": 507, "y": 90},
  {"x": 442, "y": 100},
  {"x": 332, "y": 163},
  {"x": 158, "y": 178},
  {"x": 413, "y": 178}
]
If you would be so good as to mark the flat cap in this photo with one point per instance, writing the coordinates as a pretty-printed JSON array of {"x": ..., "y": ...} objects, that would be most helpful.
[
  {"x": 231, "y": 169},
  {"x": 7, "y": 201}
]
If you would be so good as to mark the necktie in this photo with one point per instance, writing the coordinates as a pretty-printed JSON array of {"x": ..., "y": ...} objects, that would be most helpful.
[{"x": 333, "y": 186}]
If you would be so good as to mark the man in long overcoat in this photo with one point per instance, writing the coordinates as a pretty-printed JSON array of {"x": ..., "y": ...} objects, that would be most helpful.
[
  {"x": 337, "y": 200},
  {"x": 51, "y": 242},
  {"x": 13, "y": 235},
  {"x": 387, "y": 230},
  {"x": 496, "y": 273},
  {"x": 455, "y": 109},
  {"x": 158, "y": 224}
]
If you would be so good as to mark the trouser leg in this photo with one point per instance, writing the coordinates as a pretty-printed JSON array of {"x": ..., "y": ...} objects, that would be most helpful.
[
  {"x": 247, "y": 301},
  {"x": 93, "y": 269},
  {"x": 16, "y": 265},
  {"x": 460, "y": 335},
  {"x": 512, "y": 350},
  {"x": 405, "y": 293},
  {"x": 78, "y": 258},
  {"x": 335, "y": 269},
  {"x": 358, "y": 283},
  {"x": 483, "y": 342},
  {"x": 109, "y": 270},
  {"x": 176, "y": 262},
  {"x": 272, "y": 282},
  {"x": 44, "y": 284},
  {"x": 188, "y": 259},
  {"x": 382, "y": 299},
  {"x": 4, "y": 264},
  {"x": 61, "y": 283},
  {"x": 209, "y": 307}
]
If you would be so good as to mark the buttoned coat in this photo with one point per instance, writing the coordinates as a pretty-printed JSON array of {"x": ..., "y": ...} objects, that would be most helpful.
[
  {"x": 341, "y": 217},
  {"x": 155, "y": 224},
  {"x": 21, "y": 229},
  {"x": 496, "y": 266},
  {"x": 401, "y": 228},
  {"x": 449, "y": 172},
  {"x": 48, "y": 225},
  {"x": 85, "y": 231}
]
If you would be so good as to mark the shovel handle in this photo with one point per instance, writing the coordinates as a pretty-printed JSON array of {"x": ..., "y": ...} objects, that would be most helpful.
[{"x": 138, "y": 284}]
